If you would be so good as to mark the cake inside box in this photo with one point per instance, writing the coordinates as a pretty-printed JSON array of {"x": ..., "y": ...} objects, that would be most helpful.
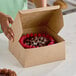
[{"x": 36, "y": 40}]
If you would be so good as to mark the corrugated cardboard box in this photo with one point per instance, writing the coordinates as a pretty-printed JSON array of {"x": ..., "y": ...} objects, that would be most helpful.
[{"x": 38, "y": 20}]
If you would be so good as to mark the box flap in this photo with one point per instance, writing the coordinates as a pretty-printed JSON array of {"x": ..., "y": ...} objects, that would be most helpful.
[
  {"x": 56, "y": 21},
  {"x": 45, "y": 16},
  {"x": 17, "y": 28}
]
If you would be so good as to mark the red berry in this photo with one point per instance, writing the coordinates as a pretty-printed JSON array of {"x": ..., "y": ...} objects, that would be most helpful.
[
  {"x": 31, "y": 34},
  {"x": 47, "y": 36},
  {"x": 33, "y": 46},
  {"x": 27, "y": 46},
  {"x": 22, "y": 40},
  {"x": 35, "y": 35},
  {"x": 39, "y": 35},
  {"x": 51, "y": 39},
  {"x": 43, "y": 35},
  {"x": 37, "y": 46},
  {"x": 30, "y": 46},
  {"x": 27, "y": 35},
  {"x": 51, "y": 43}
]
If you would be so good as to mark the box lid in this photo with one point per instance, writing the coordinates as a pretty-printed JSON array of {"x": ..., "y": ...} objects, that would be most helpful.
[
  {"x": 46, "y": 16},
  {"x": 50, "y": 17}
]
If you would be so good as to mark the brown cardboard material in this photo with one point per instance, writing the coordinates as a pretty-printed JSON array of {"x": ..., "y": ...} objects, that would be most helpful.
[{"x": 47, "y": 19}]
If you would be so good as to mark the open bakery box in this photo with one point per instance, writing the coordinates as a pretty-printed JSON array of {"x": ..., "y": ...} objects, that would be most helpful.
[{"x": 38, "y": 20}]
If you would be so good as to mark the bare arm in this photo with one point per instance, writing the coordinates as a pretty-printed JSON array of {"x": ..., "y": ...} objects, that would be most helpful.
[
  {"x": 5, "y": 20},
  {"x": 40, "y": 3}
]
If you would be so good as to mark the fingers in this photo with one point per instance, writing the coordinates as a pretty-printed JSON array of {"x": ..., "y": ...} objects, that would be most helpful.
[
  {"x": 10, "y": 19},
  {"x": 62, "y": 4},
  {"x": 10, "y": 34}
]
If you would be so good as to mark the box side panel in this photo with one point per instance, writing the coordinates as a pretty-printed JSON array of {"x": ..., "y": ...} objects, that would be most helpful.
[
  {"x": 51, "y": 18},
  {"x": 56, "y": 21},
  {"x": 40, "y": 9},
  {"x": 46, "y": 54},
  {"x": 18, "y": 51},
  {"x": 17, "y": 27},
  {"x": 35, "y": 19},
  {"x": 54, "y": 35},
  {"x": 35, "y": 30}
]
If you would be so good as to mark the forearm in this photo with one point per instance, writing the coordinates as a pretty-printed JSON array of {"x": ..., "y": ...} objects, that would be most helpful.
[
  {"x": 2, "y": 16},
  {"x": 40, "y": 3}
]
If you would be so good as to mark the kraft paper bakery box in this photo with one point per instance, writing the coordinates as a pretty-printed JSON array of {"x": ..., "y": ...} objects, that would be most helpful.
[{"x": 38, "y": 20}]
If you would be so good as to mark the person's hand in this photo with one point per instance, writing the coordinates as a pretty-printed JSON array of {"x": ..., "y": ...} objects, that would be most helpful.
[
  {"x": 63, "y": 4},
  {"x": 5, "y": 20}
]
